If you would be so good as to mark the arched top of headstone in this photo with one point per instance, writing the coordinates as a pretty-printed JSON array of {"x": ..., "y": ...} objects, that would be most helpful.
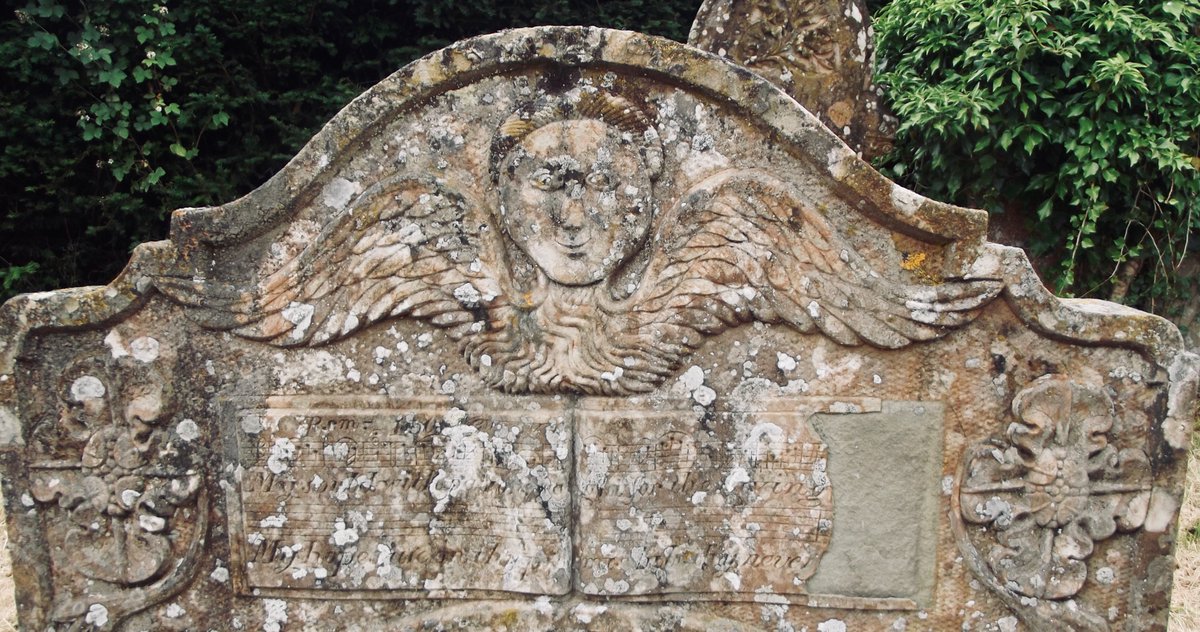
[
  {"x": 287, "y": 261},
  {"x": 554, "y": 55}
]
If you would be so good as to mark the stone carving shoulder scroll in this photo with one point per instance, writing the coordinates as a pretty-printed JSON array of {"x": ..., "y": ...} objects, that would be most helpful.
[{"x": 572, "y": 279}]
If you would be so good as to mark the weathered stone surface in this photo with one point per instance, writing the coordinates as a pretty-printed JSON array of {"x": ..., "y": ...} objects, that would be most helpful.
[
  {"x": 568, "y": 328},
  {"x": 821, "y": 52}
]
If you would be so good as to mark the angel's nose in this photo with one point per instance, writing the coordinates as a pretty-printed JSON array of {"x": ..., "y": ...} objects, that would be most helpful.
[{"x": 572, "y": 216}]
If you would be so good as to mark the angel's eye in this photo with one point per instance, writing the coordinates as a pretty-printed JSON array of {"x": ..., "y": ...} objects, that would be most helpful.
[
  {"x": 600, "y": 180},
  {"x": 545, "y": 180}
]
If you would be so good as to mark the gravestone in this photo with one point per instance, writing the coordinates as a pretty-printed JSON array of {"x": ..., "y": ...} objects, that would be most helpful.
[
  {"x": 821, "y": 52},
  {"x": 569, "y": 328}
]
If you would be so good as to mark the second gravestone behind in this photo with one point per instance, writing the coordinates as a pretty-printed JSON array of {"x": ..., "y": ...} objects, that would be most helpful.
[{"x": 820, "y": 52}]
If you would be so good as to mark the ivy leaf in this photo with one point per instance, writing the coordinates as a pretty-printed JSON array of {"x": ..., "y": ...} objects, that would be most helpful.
[
  {"x": 1030, "y": 142},
  {"x": 65, "y": 75},
  {"x": 1006, "y": 139},
  {"x": 44, "y": 9},
  {"x": 113, "y": 77},
  {"x": 1043, "y": 211},
  {"x": 42, "y": 40},
  {"x": 121, "y": 169}
]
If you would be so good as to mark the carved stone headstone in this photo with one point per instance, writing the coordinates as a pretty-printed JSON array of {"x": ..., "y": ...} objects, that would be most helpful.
[
  {"x": 821, "y": 52},
  {"x": 568, "y": 328}
]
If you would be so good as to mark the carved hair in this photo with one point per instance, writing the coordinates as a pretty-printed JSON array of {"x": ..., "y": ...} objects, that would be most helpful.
[{"x": 580, "y": 105}]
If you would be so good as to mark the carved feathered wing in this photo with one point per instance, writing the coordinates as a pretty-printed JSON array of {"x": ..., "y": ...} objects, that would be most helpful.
[
  {"x": 406, "y": 247},
  {"x": 743, "y": 246}
]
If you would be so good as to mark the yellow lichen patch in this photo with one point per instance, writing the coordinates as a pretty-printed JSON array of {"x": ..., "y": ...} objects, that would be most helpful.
[
  {"x": 506, "y": 619},
  {"x": 913, "y": 261},
  {"x": 918, "y": 264}
]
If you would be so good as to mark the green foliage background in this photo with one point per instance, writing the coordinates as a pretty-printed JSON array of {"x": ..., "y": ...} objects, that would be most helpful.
[
  {"x": 1078, "y": 117},
  {"x": 116, "y": 112},
  {"x": 1082, "y": 117}
]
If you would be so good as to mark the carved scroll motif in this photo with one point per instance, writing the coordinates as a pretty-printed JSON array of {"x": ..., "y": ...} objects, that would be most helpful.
[
  {"x": 1060, "y": 481},
  {"x": 120, "y": 484}
]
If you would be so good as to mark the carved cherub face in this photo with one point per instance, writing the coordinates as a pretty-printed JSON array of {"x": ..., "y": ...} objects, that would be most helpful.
[{"x": 575, "y": 196}]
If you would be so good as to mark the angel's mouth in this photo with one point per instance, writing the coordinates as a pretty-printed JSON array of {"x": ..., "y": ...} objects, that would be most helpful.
[{"x": 573, "y": 245}]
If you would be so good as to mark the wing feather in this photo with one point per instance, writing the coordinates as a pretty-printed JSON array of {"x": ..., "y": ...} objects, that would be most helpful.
[
  {"x": 743, "y": 245},
  {"x": 406, "y": 247}
]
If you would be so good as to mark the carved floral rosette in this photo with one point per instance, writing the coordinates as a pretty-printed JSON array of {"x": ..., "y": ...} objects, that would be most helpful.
[
  {"x": 1061, "y": 480},
  {"x": 120, "y": 482}
]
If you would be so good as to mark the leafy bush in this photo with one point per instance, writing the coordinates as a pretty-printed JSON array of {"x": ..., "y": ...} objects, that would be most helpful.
[
  {"x": 1081, "y": 115},
  {"x": 116, "y": 112}
]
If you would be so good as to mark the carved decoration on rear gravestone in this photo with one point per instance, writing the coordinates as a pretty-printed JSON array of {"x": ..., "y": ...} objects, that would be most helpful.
[
  {"x": 821, "y": 52},
  {"x": 566, "y": 328}
]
